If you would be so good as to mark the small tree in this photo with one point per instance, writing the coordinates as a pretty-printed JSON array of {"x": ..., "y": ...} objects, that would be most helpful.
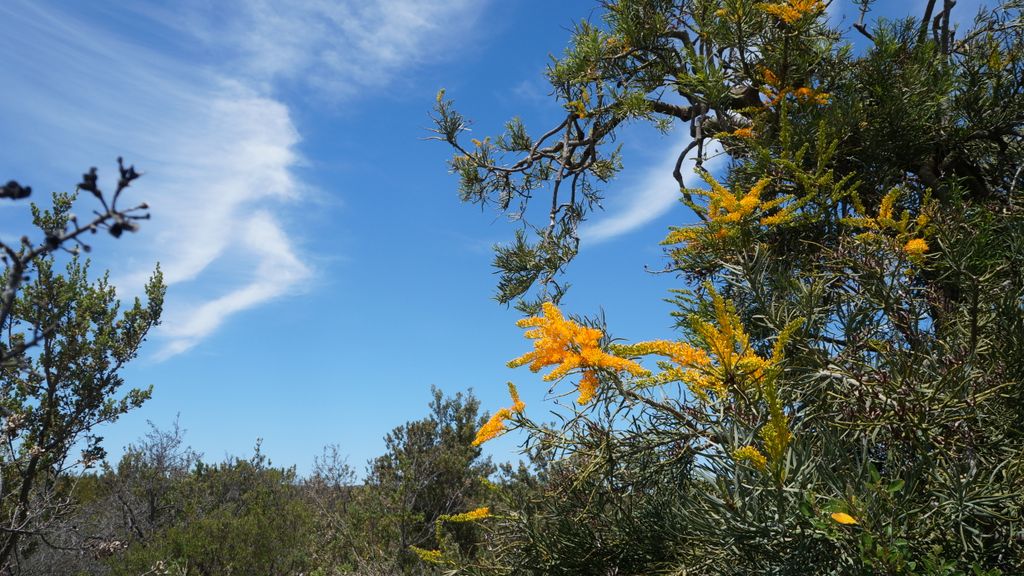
[
  {"x": 63, "y": 346},
  {"x": 431, "y": 469}
]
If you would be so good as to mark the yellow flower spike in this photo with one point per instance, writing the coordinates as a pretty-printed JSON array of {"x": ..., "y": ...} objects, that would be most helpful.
[
  {"x": 587, "y": 387},
  {"x": 844, "y": 518},
  {"x": 495, "y": 426},
  {"x": 725, "y": 356},
  {"x": 726, "y": 207},
  {"x": 752, "y": 456},
  {"x": 775, "y": 433},
  {"x": 517, "y": 404},
  {"x": 569, "y": 346},
  {"x": 578, "y": 108},
  {"x": 916, "y": 247},
  {"x": 432, "y": 556},
  {"x": 471, "y": 516},
  {"x": 886, "y": 207},
  {"x": 803, "y": 93},
  {"x": 684, "y": 235},
  {"x": 679, "y": 352},
  {"x": 810, "y": 95},
  {"x": 776, "y": 219},
  {"x": 792, "y": 10}
]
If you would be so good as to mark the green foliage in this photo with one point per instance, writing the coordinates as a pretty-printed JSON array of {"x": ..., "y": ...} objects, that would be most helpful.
[{"x": 237, "y": 517}]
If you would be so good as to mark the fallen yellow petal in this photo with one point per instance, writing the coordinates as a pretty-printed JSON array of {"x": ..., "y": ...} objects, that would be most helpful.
[{"x": 843, "y": 518}]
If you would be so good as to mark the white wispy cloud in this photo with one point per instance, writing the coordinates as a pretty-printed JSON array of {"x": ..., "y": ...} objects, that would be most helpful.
[
  {"x": 341, "y": 47},
  {"x": 278, "y": 268},
  {"x": 216, "y": 142},
  {"x": 650, "y": 195}
]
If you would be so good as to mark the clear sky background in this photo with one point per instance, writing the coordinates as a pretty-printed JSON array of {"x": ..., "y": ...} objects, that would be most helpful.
[{"x": 322, "y": 272}]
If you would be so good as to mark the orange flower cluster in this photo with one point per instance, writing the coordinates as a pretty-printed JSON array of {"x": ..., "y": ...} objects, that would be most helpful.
[
  {"x": 746, "y": 132},
  {"x": 916, "y": 247},
  {"x": 776, "y": 92},
  {"x": 569, "y": 346},
  {"x": 496, "y": 425},
  {"x": 805, "y": 94}
]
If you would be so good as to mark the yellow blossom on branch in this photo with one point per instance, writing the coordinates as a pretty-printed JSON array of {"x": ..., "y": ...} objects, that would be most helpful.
[
  {"x": 775, "y": 91},
  {"x": 792, "y": 10},
  {"x": 569, "y": 347},
  {"x": 805, "y": 94},
  {"x": 496, "y": 425},
  {"x": 725, "y": 357},
  {"x": 752, "y": 456},
  {"x": 493, "y": 427},
  {"x": 735, "y": 362},
  {"x": 727, "y": 207},
  {"x": 471, "y": 516},
  {"x": 908, "y": 232},
  {"x": 916, "y": 247},
  {"x": 579, "y": 107},
  {"x": 679, "y": 352},
  {"x": 724, "y": 362},
  {"x": 432, "y": 556},
  {"x": 775, "y": 433},
  {"x": 746, "y": 132}
]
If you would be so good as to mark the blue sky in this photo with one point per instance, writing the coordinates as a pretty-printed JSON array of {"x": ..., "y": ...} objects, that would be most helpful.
[{"x": 322, "y": 272}]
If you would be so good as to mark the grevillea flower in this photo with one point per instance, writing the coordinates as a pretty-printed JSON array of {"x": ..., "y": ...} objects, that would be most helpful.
[
  {"x": 726, "y": 207},
  {"x": 432, "y": 556},
  {"x": 906, "y": 230},
  {"x": 496, "y": 425},
  {"x": 569, "y": 346},
  {"x": 775, "y": 91},
  {"x": 746, "y": 132},
  {"x": 792, "y": 10},
  {"x": 916, "y": 247},
  {"x": 805, "y": 94},
  {"x": 724, "y": 358},
  {"x": 752, "y": 456},
  {"x": 725, "y": 362},
  {"x": 471, "y": 516},
  {"x": 775, "y": 433}
]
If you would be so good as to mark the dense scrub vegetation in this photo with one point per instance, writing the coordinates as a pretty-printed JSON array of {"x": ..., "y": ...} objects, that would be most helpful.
[
  {"x": 163, "y": 509},
  {"x": 846, "y": 394}
]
